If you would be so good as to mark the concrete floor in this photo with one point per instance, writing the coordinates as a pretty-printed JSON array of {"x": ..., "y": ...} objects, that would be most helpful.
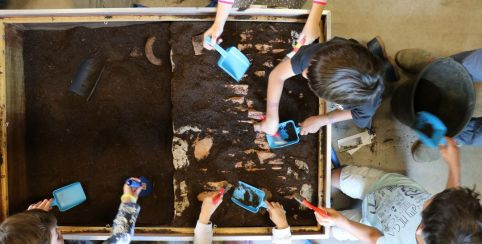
[{"x": 441, "y": 26}]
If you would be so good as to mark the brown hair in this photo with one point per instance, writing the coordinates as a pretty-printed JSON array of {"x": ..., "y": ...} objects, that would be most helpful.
[
  {"x": 453, "y": 216},
  {"x": 345, "y": 73},
  {"x": 29, "y": 227}
]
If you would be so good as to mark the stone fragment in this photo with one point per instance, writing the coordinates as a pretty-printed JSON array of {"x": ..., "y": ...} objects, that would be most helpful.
[
  {"x": 179, "y": 153},
  {"x": 202, "y": 148}
]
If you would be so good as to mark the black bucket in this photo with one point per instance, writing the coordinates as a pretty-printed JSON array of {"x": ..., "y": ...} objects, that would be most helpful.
[{"x": 444, "y": 88}]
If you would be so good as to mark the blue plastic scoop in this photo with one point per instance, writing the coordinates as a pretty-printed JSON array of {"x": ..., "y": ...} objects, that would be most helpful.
[
  {"x": 430, "y": 129},
  {"x": 145, "y": 184},
  {"x": 287, "y": 135},
  {"x": 248, "y": 197},
  {"x": 232, "y": 61},
  {"x": 68, "y": 196}
]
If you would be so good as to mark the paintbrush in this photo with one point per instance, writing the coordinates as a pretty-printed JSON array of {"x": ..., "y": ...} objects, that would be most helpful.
[
  {"x": 220, "y": 193},
  {"x": 307, "y": 204}
]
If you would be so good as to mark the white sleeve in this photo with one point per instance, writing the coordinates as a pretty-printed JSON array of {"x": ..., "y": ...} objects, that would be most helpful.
[
  {"x": 282, "y": 236},
  {"x": 203, "y": 233}
]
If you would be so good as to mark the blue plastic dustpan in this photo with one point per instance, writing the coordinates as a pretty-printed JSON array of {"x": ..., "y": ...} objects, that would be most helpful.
[
  {"x": 232, "y": 61},
  {"x": 145, "y": 184},
  {"x": 69, "y": 196},
  {"x": 430, "y": 129},
  {"x": 248, "y": 197},
  {"x": 287, "y": 135}
]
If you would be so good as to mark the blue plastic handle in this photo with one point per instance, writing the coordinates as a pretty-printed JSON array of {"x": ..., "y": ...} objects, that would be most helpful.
[
  {"x": 133, "y": 183},
  {"x": 217, "y": 47}
]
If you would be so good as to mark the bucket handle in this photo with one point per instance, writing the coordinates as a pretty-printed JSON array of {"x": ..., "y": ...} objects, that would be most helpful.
[{"x": 217, "y": 47}]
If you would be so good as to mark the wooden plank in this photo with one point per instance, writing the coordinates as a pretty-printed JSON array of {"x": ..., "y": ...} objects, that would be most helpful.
[
  {"x": 3, "y": 136},
  {"x": 142, "y": 18}
]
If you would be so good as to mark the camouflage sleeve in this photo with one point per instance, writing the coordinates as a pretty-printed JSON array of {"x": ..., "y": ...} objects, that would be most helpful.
[{"x": 124, "y": 223}]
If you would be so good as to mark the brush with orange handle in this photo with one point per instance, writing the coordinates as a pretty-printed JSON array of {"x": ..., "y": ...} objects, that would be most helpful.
[{"x": 307, "y": 204}]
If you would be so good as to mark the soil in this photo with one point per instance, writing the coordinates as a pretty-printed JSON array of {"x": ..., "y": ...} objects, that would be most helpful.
[
  {"x": 124, "y": 130},
  {"x": 204, "y": 106}
]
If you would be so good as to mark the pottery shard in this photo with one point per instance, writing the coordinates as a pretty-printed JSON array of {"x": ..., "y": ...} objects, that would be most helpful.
[
  {"x": 136, "y": 52},
  {"x": 277, "y": 161},
  {"x": 187, "y": 128},
  {"x": 249, "y": 103},
  {"x": 302, "y": 165},
  {"x": 237, "y": 100},
  {"x": 256, "y": 115},
  {"x": 241, "y": 90},
  {"x": 279, "y": 50},
  {"x": 238, "y": 165},
  {"x": 263, "y": 48},
  {"x": 242, "y": 47},
  {"x": 263, "y": 155},
  {"x": 181, "y": 201},
  {"x": 261, "y": 141},
  {"x": 202, "y": 148},
  {"x": 197, "y": 44},
  {"x": 215, "y": 185},
  {"x": 268, "y": 64},
  {"x": 179, "y": 153},
  {"x": 260, "y": 73}
]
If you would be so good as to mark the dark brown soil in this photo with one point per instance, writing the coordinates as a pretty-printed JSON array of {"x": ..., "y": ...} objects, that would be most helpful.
[
  {"x": 199, "y": 100},
  {"x": 124, "y": 130}
]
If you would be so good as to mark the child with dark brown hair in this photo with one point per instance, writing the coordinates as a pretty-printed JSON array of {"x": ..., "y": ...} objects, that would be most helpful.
[
  {"x": 339, "y": 71},
  {"x": 38, "y": 226}
]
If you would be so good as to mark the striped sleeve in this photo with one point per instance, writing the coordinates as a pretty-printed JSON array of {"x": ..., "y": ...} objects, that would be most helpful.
[
  {"x": 321, "y": 2},
  {"x": 226, "y": 1}
]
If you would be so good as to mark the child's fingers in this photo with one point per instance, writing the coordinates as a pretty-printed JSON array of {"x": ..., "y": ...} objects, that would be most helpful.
[{"x": 270, "y": 206}]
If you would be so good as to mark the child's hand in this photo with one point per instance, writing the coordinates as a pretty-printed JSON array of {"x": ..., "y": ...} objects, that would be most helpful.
[
  {"x": 214, "y": 32},
  {"x": 133, "y": 191},
  {"x": 277, "y": 214},
  {"x": 313, "y": 124},
  {"x": 334, "y": 217},
  {"x": 208, "y": 207},
  {"x": 43, "y": 205},
  {"x": 450, "y": 152},
  {"x": 268, "y": 126}
]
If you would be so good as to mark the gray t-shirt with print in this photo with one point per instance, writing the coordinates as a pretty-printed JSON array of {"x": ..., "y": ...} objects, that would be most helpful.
[{"x": 393, "y": 206}]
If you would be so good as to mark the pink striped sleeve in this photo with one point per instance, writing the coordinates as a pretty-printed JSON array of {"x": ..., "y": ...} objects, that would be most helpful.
[
  {"x": 226, "y": 1},
  {"x": 321, "y": 2}
]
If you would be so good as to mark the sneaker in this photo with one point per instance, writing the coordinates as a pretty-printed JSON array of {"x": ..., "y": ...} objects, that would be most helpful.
[
  {"x": 413, "y": 60},
  {"x": 424, "y": 154},
  {"x": 377, "y": 48}
]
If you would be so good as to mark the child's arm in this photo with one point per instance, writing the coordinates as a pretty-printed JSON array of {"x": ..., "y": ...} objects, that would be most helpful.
[
  {"x": 314, "y": 123},
  {"x": 222, "y": 13},
  {"x": 363, "y": 232},
  {"x": 203, "y": 233},
  {"x": 125, "y": 220},
  {"x": 312, "y": 29},
  {"x": 276, "y": 82},
  {"x": 450, "y": 153}
]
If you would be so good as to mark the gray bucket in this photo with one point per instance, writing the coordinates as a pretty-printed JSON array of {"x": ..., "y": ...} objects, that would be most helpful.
[{"x": 444, "y": 88}]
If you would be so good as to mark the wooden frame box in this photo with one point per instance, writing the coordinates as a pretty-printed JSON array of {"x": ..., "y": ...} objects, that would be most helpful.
[{"x": 12, "y": 107}]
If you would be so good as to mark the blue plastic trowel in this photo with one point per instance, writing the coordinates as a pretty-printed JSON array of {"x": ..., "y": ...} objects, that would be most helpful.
[
  {"x": 145, "y": 184},
  {"x": 68, "y": 196},
  {"x": 430, "y": 129},
  {"x": 287, "y": 135},
  {"x": 232, "y": 61},
  {"x": 249, "y": 197}
]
